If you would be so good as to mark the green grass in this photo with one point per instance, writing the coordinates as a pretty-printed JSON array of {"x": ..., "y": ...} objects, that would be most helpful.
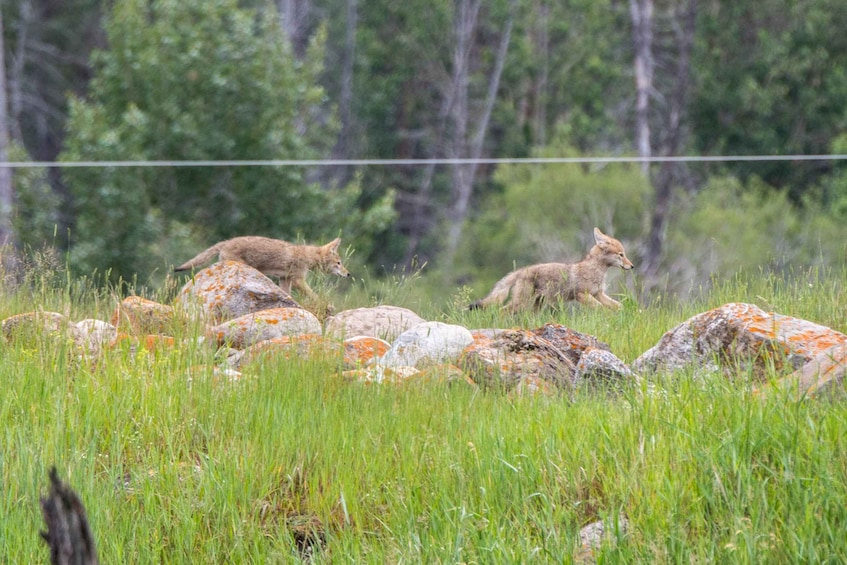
[{"x": 293, "y": 456}]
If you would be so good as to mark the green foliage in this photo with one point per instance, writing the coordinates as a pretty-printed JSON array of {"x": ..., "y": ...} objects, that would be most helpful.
[
  {"x": 730, "y": 225},
  {"x": 36, "y": 214},
  {"x": 198, "y": 80},
  {"x": 769, "y": 81},
  {"x": 834, "y": 186},
  {"x": 216, "y": 79},
  {"x": 588, "y": 71}
]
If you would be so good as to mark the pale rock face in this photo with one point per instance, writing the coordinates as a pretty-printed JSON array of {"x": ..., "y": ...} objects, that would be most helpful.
[
  {"x": 598, "y": 366},
  {"x": 96, "y": 334},
  {"x": 823, "y": 374},
  {"x": 384, "y": 322},
  {"x": 427, "y": 343}
]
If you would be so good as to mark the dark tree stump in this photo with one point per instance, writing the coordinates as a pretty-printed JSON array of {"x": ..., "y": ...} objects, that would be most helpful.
[{"x": 68, "y": 533}]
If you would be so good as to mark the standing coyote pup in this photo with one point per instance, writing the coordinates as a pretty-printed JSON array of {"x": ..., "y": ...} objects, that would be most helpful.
[
  {"x": 535, "y": 285},
  {"x": 276, "y": 258}
]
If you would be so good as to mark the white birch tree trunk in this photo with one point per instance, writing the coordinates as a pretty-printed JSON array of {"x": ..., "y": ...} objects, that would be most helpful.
[
  {"x": 683, "y": 17},
  {"x": 465, "y": 174},
  {"x": 641, "y": 12}
]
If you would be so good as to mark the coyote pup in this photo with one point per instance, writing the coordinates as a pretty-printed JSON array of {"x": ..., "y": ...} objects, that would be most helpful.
[
  {"x": 276, "y": 258},
  {"x": 535, "y": 285}
]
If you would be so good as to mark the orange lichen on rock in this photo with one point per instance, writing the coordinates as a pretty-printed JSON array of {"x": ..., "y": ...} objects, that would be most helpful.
[
  {"x": 822, "y": 374},
  {"x": 506, "y": 357},
  {"x": 150, "y": 342},
  {"x": 362, "y": 349},
  {"x": 800, "y": 336},
  {"x": 267, "y": 324},
  {"x": 304, "y": 345},
  {"x": 739, "y": 335},
  {"x": 379, "y": 374},
  {"x": 229, "y": 289},
  {"x": 139, "y": 315}
]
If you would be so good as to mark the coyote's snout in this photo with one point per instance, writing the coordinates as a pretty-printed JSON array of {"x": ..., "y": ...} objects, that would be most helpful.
[
  {"x": 276, "y": 258},
  {"x": 537, "y": 285}
]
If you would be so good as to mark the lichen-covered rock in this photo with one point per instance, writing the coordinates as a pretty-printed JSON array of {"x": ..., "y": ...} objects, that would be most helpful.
[
  {"x": 230, "y": 289},
  {"x": 96, "y": 334},
  {"x": 570, "y": 342},
  {"x": 533, "y": 385},
  {"x": 738, "y": 335},
  {"x": 149, "y": 342},
  {"x": 363, "y": 349},
  {"x": 426, "y": 344},
  {"x": 31, "y": 329},
  {"x": 287, "y": 347},
  {"x": 379, "y": 374},
  {"x": 592, "y": 536},
  {"x": 384, "y": 322},
  {"x": 248, "y": 329},
  {"x": 821, "y": 375},
  {"x": 507, "y": 357},
  {"x": 601, "y": 367},
  {"x": 137, "y": 315},
  {"x": 398, "y": 374}
]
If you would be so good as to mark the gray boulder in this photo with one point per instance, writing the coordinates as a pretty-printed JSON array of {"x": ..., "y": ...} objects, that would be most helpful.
[
  {"x": 426, "y": 344},
  {"x": 738, "y": 336},
  {"x": 229, "y": 289},
  {"x": 384, "y": 322}
]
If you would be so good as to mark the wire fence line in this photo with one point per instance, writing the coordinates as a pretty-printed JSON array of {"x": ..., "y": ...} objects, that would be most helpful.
[{"x": 413, "y": 162}]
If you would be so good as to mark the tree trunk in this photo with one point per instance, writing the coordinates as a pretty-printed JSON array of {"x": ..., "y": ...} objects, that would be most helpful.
[
  {"x": 441, "y": 138},
  {"x": 543, "y": 50},
  {"x": 467, "y": 12},
  {"x": 684, "y": 26},
  {"x": 7, "y": 194},
  {"x": 464, "y": 174},
  {"x": 641, "y": 12},
  {"x": 293, "y": 17}
]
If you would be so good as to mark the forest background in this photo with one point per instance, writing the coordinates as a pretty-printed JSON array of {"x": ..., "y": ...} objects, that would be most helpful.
[{"x": 223, "y": 80}]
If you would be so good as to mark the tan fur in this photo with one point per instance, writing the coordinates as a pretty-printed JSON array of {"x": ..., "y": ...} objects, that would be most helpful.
[
  {"x": 537, "y": 285},
  {"x": 276, "y": 258}
]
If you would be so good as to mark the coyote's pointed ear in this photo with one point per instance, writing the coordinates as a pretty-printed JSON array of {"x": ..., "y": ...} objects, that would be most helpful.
[
  {"x": 600, "y": 237},
  {"x": 333, "y": 245}
]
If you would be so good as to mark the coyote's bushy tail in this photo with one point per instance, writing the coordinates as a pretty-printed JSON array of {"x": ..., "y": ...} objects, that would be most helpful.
[
  {"x": 500, "y": 294},
  {"x": 200, "y": 259}
]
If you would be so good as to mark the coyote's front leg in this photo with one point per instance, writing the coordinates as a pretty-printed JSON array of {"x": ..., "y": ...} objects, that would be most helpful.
[
  {"x": 305, "y": 289},
  {"x": 587, "y": 299},
  {"x": 607, "y": 300}
]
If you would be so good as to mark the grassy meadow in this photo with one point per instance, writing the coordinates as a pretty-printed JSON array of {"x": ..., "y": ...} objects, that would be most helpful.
[{"x": 293, "y": 463}]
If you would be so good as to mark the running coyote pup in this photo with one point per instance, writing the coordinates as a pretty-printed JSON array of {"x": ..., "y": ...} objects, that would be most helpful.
[
  {"x": 276, "y": 258},
  {"x": 536, "y": 285}
]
